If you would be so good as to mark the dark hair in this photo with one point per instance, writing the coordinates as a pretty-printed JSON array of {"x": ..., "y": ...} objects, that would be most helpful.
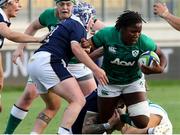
[{"x": 128, "y": 18}]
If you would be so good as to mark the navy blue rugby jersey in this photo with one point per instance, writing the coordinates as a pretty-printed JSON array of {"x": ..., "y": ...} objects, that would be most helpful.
[
  {"x": 58, "y": 43},
  {"x": 3, "y": 18}
]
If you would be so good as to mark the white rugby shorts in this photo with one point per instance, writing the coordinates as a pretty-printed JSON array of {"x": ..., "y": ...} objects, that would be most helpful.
[
  {"x": 44, "y": 73},
  {"x": 117, "y": 90},
  {"x": 80, "y": 71}
]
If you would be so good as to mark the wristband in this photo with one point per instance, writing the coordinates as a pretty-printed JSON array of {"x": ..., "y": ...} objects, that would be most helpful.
[{"x": 107, "y": 126}]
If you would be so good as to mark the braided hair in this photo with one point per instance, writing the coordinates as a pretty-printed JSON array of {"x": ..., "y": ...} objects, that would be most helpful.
[{"x": 128, "y": 18}]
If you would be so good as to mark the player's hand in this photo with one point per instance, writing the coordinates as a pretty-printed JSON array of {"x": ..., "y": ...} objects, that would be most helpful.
[
  {"x": 161, "y": 9},
  {"x": 19, "y": 52},
  {"x": 44, "y": 38},
  {"x": 101, "y": 76},
  {"x": 155, "y": 69},
  {"x": 115, "y": 119},
  {"x": 85, "y": 45}
]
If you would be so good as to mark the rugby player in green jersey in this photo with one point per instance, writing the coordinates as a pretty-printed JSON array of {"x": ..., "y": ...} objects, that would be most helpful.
[{"x": 122, "y": 45}]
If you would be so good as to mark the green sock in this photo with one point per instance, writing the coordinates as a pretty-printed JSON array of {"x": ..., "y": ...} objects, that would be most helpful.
[{"x": 13, "y": 122}]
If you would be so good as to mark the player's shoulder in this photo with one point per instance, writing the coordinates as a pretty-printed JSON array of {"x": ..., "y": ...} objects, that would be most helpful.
[
  {"x": 107, "y": 30},
  {"x": 48, "y": 11},
  {"x": 144, "y": 37},
  {"x": 74, "y": 21}
]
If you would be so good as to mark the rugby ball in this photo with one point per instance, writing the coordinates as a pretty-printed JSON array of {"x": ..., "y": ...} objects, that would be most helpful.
[{"x": 147, "y": 58}]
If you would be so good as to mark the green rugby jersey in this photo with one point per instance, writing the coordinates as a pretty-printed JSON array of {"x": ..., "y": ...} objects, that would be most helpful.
[
  {"x": 49, "y": 19},
  {"x": 120, "y": 60}
]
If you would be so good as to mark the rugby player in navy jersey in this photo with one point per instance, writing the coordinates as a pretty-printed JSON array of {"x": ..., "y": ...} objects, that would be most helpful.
[
  {"x": 80, "y": 71},
  {"x": 47, "y": 68},
  {"x": 8, "y": 10}
]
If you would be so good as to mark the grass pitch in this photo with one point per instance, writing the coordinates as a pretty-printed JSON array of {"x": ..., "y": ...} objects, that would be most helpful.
[{"x": 165, "y": 93}]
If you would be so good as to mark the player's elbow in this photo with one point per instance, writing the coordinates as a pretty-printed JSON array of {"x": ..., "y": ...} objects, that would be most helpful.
[{"x": 76, "y": 49}]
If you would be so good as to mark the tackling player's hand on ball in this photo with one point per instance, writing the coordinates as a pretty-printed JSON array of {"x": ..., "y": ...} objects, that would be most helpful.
[{"x": 154, "y": 69}]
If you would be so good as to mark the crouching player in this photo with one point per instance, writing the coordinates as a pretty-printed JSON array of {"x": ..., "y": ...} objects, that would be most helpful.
[{"x": 159, "y": 123}]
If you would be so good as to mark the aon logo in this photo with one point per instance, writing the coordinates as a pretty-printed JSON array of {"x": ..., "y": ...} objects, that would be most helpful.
[{"x": 122, "y": 63}]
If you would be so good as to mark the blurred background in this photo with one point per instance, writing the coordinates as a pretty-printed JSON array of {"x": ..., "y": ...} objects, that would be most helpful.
[{"x": 107, "y": 11}]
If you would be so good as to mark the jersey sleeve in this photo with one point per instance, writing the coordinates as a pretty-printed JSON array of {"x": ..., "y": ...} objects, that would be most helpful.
[
  {"x": 147, "y": 43},
  {"x": 43, "y": 17},
  {"x": 77, "y": 33},
  {"x": 1, "y": 18},
  {"x": 98, "y": 38}
]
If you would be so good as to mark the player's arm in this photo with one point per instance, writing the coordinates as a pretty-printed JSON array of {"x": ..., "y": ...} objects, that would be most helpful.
[
  {"x": 162, "y": 10},
  {"x": 30, "y": 30},
  {"x": 154, "y": 121},
  {"x": 98, "y": 25},
  {"x": 82, "y": 56},
  {"x": 88, "y": 44},
  {"x": 6, "y": 32},
  {"x": 91, "y": 126},
  {"x": 1, "y": 80},
  {"x": 157, "y": 67},
  {"x": 97, "y": 53},
  {"x": 163, "y": 60}
]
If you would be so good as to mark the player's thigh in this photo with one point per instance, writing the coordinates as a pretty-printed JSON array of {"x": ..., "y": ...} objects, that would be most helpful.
[
  {"x": 106, "y": 106},
  {"x": 70, "y": 90},
  {"x": 87, "y": 86},
  {"x": 135, "y": 92}
]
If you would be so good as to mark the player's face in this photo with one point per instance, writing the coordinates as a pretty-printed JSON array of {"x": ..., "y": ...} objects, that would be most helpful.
[
  {"x": 12, "y": 8},
  {"x": 130, "y": 35},
  {"x": 64, "y": 9}
]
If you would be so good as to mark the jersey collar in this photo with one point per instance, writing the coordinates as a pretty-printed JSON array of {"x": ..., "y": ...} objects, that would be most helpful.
[{"x": 4, "y": 15}]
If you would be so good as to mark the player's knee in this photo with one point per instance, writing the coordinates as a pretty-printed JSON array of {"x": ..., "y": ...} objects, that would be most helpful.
[
  {"x": 140, "y": 114},
  {"x": 30, "y": 94},
  {"x": 80, "y": 101}
]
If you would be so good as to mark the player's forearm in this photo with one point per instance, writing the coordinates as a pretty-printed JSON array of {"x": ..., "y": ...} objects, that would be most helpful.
[
  {"x": 173, "y": 21},
  {"x": 96, "y": 53},
  {"x": 22, "y": 38},
  {"x": 83, "y": 57},
  {"x": 93, "y": 129},
  {"x": 31, "y": 30}
]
